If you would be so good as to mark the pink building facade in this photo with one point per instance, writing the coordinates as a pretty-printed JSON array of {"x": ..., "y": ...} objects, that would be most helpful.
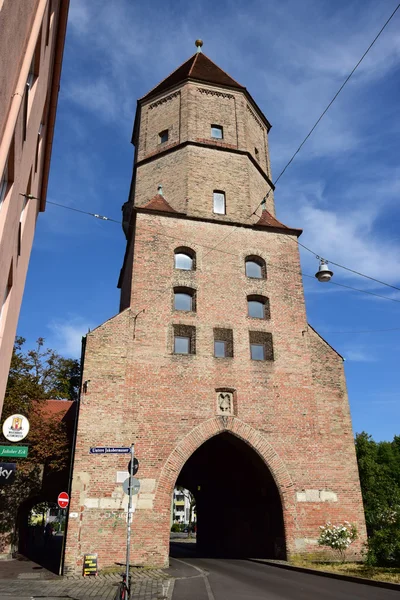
[{"x": 32, "y": 35}]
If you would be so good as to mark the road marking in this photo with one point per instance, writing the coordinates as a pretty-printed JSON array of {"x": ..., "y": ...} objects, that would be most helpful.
[{"x": 203, "y": 574}]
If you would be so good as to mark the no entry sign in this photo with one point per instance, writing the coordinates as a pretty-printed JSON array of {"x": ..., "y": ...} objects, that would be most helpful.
[{"x": 63, "y": 500}]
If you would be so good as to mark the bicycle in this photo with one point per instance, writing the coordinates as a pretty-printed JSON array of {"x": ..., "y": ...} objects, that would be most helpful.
[{"x": 123, "y": 592}]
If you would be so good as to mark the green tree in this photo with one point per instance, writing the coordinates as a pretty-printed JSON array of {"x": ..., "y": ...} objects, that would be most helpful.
[
  {"x": 379, "y": 468},
  {"x": 35, "y": 376}
]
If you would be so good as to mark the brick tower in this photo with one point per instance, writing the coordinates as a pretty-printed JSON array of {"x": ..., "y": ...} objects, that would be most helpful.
[{"x": 210, "y": 367}]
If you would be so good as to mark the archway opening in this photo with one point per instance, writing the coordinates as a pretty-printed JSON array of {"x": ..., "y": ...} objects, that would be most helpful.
[{"x": 239, "y": 510}]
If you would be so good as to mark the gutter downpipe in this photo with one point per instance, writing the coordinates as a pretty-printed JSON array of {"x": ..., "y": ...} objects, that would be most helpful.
[{"x": 17, "y": 97}]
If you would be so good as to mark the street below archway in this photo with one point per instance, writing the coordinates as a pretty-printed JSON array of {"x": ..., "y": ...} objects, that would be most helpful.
[{"x": 229, "y": 579}]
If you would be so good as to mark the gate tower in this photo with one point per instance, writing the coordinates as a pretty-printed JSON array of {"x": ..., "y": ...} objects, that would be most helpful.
[{"x": 210, "y": 367}]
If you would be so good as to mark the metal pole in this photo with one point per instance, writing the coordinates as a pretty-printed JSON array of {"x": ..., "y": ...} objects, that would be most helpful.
[{"x": 128, "y": 529}]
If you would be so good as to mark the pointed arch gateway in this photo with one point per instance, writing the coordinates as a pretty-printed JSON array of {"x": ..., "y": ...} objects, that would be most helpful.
[{"x": 242, "y": 487}]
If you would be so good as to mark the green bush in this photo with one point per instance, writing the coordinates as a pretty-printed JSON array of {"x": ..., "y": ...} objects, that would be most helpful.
[
  {"x": 175, "y": 528},
  {"x": 384, "y": 548}
]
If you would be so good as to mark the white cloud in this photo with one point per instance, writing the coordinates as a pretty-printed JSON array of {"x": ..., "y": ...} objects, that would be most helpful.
[
  {"x": 358, "y": 355},
  {"x": 66, "y": 335}
]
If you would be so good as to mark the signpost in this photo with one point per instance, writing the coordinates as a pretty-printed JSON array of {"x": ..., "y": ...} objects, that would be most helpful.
[
  {"x": 63, "y": 500},
  {"x": 128, "y": 531},
  {"x": 110, "y": 450},
  {"x": 14, "y": 451}
]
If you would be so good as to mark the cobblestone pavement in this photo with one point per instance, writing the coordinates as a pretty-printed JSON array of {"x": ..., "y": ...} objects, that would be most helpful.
[
  {"x": 84, "y": 589},
  {"x": 151, "y": 584}
]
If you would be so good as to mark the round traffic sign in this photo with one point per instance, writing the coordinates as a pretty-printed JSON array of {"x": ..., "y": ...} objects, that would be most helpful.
[
  {"x": 133, "y": 483},
  {"x": 63, "y": 500},
  {"x": 135, "y": 466}
]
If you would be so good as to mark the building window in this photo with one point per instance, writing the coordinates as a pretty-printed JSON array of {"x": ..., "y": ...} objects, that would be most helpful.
[
  {"x": 163, "y": 136},
  {"x": 258, "y": 307},
  {"x": 185, "y": 259},
  {"x": 184, "y": 299},
  {"x": 223, "y": 343},
  {"x": 7, "y": 293},
  {"x": 217, "y": 132},
  {"x": 256, "y": 154},
  {"x": 255, "y": 267},
  {"x": 261, "y": 347},
  {"x": 7, "y": 177},
  {"x": 219, "y": 202},
  {"x": 4, "y": 183},
  {"x": 184, "y": 339}
]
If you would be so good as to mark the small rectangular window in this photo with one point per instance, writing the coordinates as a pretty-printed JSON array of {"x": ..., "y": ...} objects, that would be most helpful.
[
  {"x": 261, "y": 347},
  {"x": 217, "y": 132},
  {"x": 256, "y": 154},
  {"x": 163, "y": 136},
  {"x": 219, "y": 203},
  {"x": 257, "y": 351},
  {"x": 181, "y": 345},
  {"x": 219, "y": 349},
  {"x": 184, "y": 339},
  {"x": 223, "y": 342}
]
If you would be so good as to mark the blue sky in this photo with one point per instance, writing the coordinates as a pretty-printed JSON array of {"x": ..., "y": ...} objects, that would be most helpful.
[{"x": 342, "y": 189}]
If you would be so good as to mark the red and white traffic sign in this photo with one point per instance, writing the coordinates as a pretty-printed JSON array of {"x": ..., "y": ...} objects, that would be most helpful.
[{"x": 63, "y": 500}]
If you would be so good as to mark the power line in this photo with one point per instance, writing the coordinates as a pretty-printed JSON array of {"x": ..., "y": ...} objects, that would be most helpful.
[
  {"x": 356, "y": 289},
  {"x": 329, "y": 105},
  {"x": 343, "y": 267},
  {"x": 191, "y": 243}
]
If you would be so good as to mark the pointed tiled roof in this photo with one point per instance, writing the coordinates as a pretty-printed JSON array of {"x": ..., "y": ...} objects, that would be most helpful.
[
  {"x": 159, "y": 203},
  {"x": 267, "y": 220},
  {"x": 199, "y": 67}
]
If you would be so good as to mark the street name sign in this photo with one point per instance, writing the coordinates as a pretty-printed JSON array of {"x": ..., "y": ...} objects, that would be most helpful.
[
  {"x": 14, "y": 451},
  {"x": 110, "y": 450}
]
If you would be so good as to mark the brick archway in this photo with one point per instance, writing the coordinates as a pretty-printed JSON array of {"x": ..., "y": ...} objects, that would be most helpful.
[{"x": 208, "y": 429}]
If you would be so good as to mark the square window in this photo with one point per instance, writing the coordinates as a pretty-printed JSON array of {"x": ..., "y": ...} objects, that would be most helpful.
[
  {"x": 181, "y": 345},
  {"x": 163, "y": 136},
  {"x": 217, "y": 132},
  {"x": 219, "y": 203},
  {"x": 219, "y": 349},
  {"x": 257, "y": 351}
]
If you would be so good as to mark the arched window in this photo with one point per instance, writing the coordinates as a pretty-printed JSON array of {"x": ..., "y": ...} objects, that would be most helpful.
[
  {"x": 185, "y": 259},
  {"x": 256, "y": 267},
  {"x": 258, "y": 307},
  {"x": 184, "y": 299}
]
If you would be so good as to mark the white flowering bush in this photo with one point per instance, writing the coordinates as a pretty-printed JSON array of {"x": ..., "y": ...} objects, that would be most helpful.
[{"x": 338, "y": 537}]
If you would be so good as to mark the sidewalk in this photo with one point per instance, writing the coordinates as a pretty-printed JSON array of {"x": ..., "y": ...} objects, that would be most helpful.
[{"x": 23, "y": 579}]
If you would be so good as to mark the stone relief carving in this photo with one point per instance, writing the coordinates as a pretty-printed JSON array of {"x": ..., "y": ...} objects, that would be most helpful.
[
  {"x": 214, "y": 93},
  {"x": 225, "y": 403},
  {"x": 163, "y": 100}
]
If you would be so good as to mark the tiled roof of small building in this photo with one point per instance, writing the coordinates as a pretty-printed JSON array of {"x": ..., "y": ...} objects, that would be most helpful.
[
  {"x": 199, "y": 67},
  {"x": 159, "y": 203}
]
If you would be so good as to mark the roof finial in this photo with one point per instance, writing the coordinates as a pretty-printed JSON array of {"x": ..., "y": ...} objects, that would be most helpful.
[
  {"x": 159, "y": 189},
  {"x": 198, "y": 44}
]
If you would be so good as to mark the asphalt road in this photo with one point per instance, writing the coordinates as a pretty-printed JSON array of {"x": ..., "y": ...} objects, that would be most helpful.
[{"x": 228, "y": 579}]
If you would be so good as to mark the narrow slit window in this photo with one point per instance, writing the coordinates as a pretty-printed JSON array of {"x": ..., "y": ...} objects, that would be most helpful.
[
  {"x": 219, "y": 203},
  {"x": 4, "y": 184}
]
